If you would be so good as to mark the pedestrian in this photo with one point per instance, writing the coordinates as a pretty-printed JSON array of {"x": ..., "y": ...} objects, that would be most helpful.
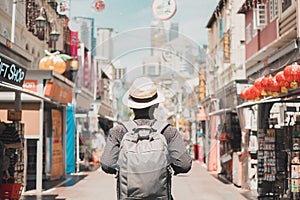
[{"x": 143, "y": 98}]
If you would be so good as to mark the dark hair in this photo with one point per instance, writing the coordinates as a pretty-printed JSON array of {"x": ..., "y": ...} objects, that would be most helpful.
[{"x": 144, "y": 113}]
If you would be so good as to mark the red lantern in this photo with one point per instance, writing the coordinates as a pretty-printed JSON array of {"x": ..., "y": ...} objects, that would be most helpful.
[
  {"x": 266, "y": 84},
  {"x": 274, "y": 87},
  {"x": 292, "y": 73},
  {"x": 243, "y": 93},
  {"x": 251, "y": 93},
  {"x": 259, "y": 86},
  {"x": 282, "y": 82},
  {"x": 254, "y": 93}
]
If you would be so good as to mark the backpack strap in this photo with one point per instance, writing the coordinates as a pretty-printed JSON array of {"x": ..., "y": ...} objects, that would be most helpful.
[
  {"x": 160, "y": 126},
  {"x": 129, "y": 125}
]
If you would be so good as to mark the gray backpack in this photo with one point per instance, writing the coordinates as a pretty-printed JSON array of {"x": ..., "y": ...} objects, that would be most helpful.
[{"x": 144, "y": 171}]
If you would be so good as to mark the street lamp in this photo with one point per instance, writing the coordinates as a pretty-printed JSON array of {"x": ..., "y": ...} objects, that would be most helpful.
[
  {"x": 54, "y": 35},
  {"x": 41, "y": 24},
  {"x": 40, "y": 21}
]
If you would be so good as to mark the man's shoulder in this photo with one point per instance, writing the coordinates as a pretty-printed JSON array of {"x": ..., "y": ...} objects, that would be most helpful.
[{"x": 118, "y": 128}]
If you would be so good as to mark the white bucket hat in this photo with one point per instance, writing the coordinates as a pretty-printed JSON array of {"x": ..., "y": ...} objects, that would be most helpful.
[{"x": 142, "y": 94}]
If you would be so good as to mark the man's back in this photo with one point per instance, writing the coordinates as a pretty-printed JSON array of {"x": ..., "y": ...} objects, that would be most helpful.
[
  {"x": 143, "y": 163},
  {"x": 180, "y": 160},
  {"x": 143, "y": 97}
]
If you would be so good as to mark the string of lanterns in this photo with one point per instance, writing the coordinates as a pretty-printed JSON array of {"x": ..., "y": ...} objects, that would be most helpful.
[{"x": 274, "y": 86}]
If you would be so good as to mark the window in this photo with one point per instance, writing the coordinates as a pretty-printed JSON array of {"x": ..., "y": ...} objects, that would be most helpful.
[
  {"x": 273, "y": 9},
  {"x": 6, "y": 6},
  {"x": 285, "y": 4},
  {"x": 5, "y": 34},
  {"x": 248, "y": 33},
  {"x": 220, "y": 28},
  {"x": 260, "y": 16}
]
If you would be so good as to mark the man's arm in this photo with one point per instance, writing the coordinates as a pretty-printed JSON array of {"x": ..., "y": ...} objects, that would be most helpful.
[
  {"x": 111, "y": 150},
  {"x": 181, "y": 161}
]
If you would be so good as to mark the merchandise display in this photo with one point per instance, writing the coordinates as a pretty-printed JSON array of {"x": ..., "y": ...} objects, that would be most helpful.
[{"x": 12, "y": 165}]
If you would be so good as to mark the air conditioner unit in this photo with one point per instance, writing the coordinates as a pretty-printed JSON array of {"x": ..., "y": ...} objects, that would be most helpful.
[{"x": 260, "y": 16}]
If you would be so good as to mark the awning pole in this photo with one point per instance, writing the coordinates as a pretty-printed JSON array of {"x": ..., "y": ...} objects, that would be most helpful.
[{"x": 18, "y": 103}]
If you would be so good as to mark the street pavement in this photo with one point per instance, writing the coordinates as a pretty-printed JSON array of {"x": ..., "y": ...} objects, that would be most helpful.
[{"x": 198, "y": 184}]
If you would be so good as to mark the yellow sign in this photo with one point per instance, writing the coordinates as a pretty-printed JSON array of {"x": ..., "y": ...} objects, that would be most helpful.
[
  {"x": 202, "y": 85},
  {"x": 226, "y": 43}
]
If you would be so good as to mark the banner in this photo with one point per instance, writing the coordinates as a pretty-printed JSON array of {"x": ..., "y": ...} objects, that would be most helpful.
[{"x": 73, "y": 44}]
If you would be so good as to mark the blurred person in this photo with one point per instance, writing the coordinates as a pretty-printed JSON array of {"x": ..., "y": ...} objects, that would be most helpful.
[{"x": 143, "y": 98}]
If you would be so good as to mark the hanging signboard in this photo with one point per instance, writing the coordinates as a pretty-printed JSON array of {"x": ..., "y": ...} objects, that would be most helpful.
[
  {"x": 226, "y": 43},
  {"x": 11, "y": 72}
]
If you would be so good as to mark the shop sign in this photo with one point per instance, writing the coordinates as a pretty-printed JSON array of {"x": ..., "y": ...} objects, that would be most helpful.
[
  {"x": 30, "y": 85},
  {"x": 226, "y": 48},
  {"x": 57, "y": 92},
  {"x": 11, "y": 73}
]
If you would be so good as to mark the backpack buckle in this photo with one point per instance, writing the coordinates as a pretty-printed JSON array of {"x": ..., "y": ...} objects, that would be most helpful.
[{"x": 143, "y": 132}]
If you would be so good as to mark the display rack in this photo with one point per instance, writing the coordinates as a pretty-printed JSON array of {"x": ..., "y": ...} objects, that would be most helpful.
[
  {"x": 295, "y": 162},
  {"x": 272, "y": 170},
  {"x": 12, "y": 181}
]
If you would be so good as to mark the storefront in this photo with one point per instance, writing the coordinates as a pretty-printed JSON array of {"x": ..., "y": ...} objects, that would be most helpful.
[
  {"x": 277, "y": 131},
  {"x": 223, "y": 134},
  {"x": 45, "y": 133},
  {"x": 12, "y": 127}
]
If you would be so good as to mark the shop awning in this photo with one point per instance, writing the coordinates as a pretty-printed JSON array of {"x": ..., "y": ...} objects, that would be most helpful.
[
  {"x": 220, "y": 112},
  {"x": 266, "y": 100},
  {"x": 20, "y": 89}
]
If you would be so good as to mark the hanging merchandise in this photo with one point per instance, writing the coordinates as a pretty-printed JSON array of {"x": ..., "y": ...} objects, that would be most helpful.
[
  {"x": 253, "y": 144},
  {"x": 12, "y": 160},
  {"x": 98, "y": 5}
]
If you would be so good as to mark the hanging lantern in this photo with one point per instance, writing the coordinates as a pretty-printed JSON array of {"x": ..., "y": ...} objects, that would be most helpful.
[
  {"x": 255, "y": 93},
  {"x": 258, "y": 85},
  {"x": 282, "y": 82},
  {"x": 266, "y": 84},
  {"x": 274, "y": 87},
  {"x": 292, "y": 73},
  {"x": 243, "y": 93},
  {"x": 251, "y": 93}
]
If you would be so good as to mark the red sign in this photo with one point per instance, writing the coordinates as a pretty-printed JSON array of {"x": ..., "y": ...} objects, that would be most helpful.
[
  {"x": 73, "y": 44},
  {"x": 55, "y": 91},
  {"x": 30, "y": 85}
]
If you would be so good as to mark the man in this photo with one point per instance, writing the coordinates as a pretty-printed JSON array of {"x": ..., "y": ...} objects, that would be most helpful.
[{"x": 143, "y": 98}]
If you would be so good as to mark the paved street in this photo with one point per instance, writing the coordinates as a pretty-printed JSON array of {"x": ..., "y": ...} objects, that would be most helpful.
[{"x": 198, "y": 184}]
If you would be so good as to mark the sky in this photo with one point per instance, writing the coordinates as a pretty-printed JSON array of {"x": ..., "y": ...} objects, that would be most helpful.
[
  {"x": 125, "y": 15},
  {"x": 131, "y": 21}
]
